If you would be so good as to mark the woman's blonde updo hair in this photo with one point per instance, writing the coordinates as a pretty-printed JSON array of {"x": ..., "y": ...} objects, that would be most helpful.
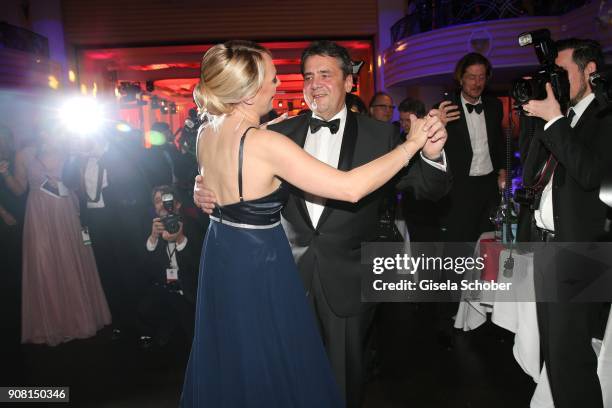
[{"x": 230, "y": 73}]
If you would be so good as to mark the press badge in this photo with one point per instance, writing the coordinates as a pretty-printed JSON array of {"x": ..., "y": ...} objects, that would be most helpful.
[
  {"x": 171, "y": 274},
  {"x": 85, "y": 236}
]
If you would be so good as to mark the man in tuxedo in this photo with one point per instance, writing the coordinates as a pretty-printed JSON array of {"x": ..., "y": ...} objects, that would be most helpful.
[
  {"x": 475, "y": 151},
  {"x": 326, "y": 235},
  {"x": 381, "y": 107},
  {"x": 421, "y": 216},
  {"x": 409, "y": 106},
  {"x": 567, "y": 159},
  {"x": 114, "y": 195}
]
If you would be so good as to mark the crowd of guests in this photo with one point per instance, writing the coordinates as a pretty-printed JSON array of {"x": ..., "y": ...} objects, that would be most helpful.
[
  {"x": 100, "y": 246},
  {"x": 76, "y": 220}
]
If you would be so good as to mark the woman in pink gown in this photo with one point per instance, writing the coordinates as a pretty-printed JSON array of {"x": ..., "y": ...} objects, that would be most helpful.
[{"x": 62, "y": 298}]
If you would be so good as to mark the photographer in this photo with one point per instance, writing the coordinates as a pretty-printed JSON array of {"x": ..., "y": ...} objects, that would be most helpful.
[
  {"x": 173, "y": 248},
  {"x": 564, "y": 162}
]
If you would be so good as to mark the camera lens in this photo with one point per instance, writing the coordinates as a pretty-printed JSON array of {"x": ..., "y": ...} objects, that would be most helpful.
[{"x": 523, "y": 90}]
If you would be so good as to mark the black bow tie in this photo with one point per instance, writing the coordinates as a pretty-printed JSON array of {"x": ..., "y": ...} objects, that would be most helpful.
[
  {"x": 316, "y": 124},
  {"x": 471, "y": 108}
]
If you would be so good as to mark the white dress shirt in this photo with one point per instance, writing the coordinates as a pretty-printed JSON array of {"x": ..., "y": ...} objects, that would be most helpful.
[
  {"x": 171, "y": 249},
  {"x": 544, "y": 216},
  {"x": 325, "y": 146},
  {"x": 92, "y": 167},
  {"x": 477, "y": 128}
]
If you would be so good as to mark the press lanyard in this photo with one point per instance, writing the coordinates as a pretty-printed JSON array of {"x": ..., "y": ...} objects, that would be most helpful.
[{"x": 171, "y": 254}]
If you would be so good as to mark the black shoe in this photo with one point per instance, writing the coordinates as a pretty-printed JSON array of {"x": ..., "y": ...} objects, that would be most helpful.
[
  {"x": 146, "y": 343},
  {"x": 116, "y": 335}
]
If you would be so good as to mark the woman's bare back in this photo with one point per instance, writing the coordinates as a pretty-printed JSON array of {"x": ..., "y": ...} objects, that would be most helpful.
[{"x": 218, "y": 160}]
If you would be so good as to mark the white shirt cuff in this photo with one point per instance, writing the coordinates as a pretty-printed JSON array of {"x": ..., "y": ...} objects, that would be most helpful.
[
  {"x": 150, "y": 246},
  {"x": 439, "y": 166},
  {"x": 182, "y": 245},
  {"x": 550, "y": 122}
]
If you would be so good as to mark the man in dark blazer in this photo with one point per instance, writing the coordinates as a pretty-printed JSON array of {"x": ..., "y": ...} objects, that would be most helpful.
[
  {"x": 568, "y": 159},
  {"x": 114, "y": 194},
  {"x": 475, "y": 152},
  {"x": 172, "y": 258},
  {"x": 326, "y": 235}
]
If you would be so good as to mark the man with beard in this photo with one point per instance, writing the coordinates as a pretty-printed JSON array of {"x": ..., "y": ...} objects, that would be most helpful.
[
  {"x": 568, "y": 159},
  {"x": 475, "y": 152}
]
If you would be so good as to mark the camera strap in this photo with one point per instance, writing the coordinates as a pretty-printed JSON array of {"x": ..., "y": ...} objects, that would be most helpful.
[
  {"x": 551, "y": 164},
  {"x": 545, "y": 174},
  {"x": 170, "y": 253}
]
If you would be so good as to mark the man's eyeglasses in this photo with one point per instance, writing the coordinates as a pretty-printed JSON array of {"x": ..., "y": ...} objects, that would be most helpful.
[{"x": 389, "y": 107}]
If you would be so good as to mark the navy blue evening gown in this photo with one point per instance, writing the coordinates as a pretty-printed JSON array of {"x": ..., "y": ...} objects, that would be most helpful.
[{"x": 256, "y": 343}]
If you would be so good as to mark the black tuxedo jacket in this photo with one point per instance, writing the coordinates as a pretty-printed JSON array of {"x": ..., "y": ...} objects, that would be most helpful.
[
  {"x": 458, "y": 147},
  {"x": 585, "y": 157},
  {"x": 333, "y": 247},
  {"x": 127, "y": 182}
]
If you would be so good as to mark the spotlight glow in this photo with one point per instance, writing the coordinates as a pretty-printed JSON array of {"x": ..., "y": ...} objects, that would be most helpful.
[
  {"x": 123, "y": 127},
  {"x": 53, "y": 82},
  {"x": 82, "y": 115}
]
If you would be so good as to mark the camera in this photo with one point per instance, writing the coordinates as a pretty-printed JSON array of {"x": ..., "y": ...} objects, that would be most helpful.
[
  {"x": 525, "y": 196},
  {"x": 189, "y": 134},
  {"x": 171, "y": 220},
  {"x": 524, "y": 90},
  {"x": 601, "y": 82}
]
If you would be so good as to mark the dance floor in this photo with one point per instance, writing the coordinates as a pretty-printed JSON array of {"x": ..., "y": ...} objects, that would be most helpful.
[{"x": 416, "y": 370}]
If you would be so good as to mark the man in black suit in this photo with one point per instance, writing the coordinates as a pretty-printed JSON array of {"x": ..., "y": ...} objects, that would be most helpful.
[
  {"x": 172, "y": 273},
  {"x": 326, "y": 235},
  {"x": 421, "y": 216},
  {"x": 114, "y": 195},
  {"x": 568, "y": 158},
  {"x": 382, "y": 107},
  {"x": 475, "y": 151}
]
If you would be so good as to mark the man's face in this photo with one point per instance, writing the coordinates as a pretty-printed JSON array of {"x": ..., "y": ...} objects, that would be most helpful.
[
  {"x": 473, "y": 82},
  {"x": 159, "y": 205},
  {"x": 382, "y": 108},
  {"x": 325, "y": 85},
  {"x": 579, "y": 86},
  {"x": 405, "y": 120}
]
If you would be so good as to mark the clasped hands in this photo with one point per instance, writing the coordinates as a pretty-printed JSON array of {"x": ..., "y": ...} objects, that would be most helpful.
[{"x": 428, "y": 133}]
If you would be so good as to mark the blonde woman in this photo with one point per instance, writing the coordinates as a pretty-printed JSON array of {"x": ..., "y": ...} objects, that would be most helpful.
[{"x": 256, "y": 343}]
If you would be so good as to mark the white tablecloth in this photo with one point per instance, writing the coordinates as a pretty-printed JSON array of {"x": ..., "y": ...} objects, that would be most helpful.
[{"x": 509, "y": 311}]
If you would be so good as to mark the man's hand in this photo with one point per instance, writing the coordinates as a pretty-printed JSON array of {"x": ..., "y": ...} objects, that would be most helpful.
[
  {"x": 203, "y": 197},
  {"x": 501, "y": 179},
  {"x": 274, "y": 121},
  {"x": 176, "y": 237},
  {"x": 157, "y": 229},
  {"x": 417, "y": 134},
  {"x": 447, "y": 111},
  {"x": 546, "y": 109},
  {"x": 432, "y": 149}
]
